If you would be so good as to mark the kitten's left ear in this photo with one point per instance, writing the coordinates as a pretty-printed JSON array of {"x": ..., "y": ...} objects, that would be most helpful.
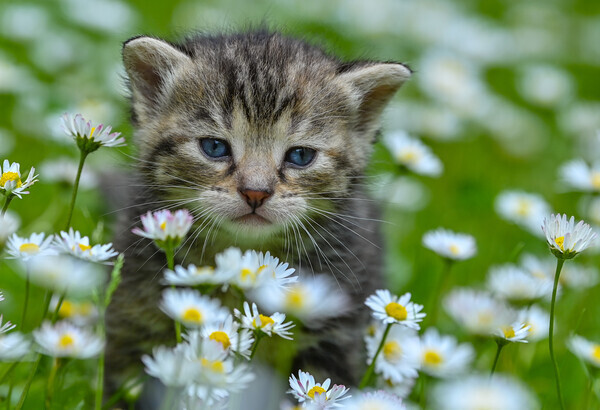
[{"x": 374, "y": 85}]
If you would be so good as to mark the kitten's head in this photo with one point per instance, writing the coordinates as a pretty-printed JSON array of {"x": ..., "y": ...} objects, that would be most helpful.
[{"x": 257, "y": 129}]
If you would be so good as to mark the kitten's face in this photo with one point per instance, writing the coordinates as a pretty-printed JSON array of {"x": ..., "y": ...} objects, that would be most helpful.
[{"x": 251, "y": 143}]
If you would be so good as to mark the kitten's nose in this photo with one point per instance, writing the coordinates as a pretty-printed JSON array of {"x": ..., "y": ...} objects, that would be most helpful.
[{"x": 254, "y": 198}]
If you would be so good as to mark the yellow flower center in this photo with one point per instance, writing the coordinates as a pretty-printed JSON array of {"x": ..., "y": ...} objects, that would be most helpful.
[
  {"x": 163, "y": 225},
  {"x": 247, "y": 274},
  {"x": 432, "y": 358},
  {"x": 409, "y": 157},
  {"x": 454, "y": 249},
  {"x": 67, "y": 309},
  {"x": 392, "y": 351},
  {"x": 66, "y": 341},
  {"x": 220, "y": 337},
  {"x": 485, "y": 318},
  {"x": 92, "y": 132},
  {"x": 596, "y": 352},
  {"x": 560, "y": 242},
  {"x": 524, "y": 207},
  {"x": 192, "y": 315},
  {"x": 295, "y": 298},
  {"x": 509, "y": 332},
  {"x": 85, "y": 309},
  {"x": 315, "y": 390},
  {"x": 264, "y": 321},
  {"x": 10, "y": 176},
  {"x": 84, "y": 247},
  {"x": 29, "y": 248},
  {"x": 596, "y": 180},
  {"x": 396, "y": 310},
  {"x": 216, "y": 365}
]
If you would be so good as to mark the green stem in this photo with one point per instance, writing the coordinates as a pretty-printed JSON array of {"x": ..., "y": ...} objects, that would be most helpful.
[
  {"x": 6, "y": 203},
  {"x": 75, "y": 188},
  {"x": 422, "y": 398},
  {"x": 498, "y": 350},
  {"x": 369, "y": 373},
  {"x": 47, "y": 298},
  {"x": 100, "y": 382},
  {"x": 57, "y": 308},
  {"x": 258, "y": 335},
  {"x": 9, "y": 396},
  {"x": 50, "y": 385},
  {"x": 28, "y": 382},
  {"x": 10, "y": 369},
  {"x": 26, "y": 302},
  {"x": 440, "y": 286},
  {"x": 559, "y": 265}
]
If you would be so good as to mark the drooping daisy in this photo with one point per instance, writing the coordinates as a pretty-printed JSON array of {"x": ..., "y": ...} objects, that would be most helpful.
[
  {"x": 166, "y": 228},
  {"x": 273, "y": 324},
  {"x": 191, "y": 308},
  {"x": 399, "y": 357},
  {"x": 79, "y": 246},
  {"x": 584, "y": 349},
  {"x": 522, "y": 208},
  {"x": 380, "y": 400},
  {"x": 477, "y": 392},
  {"x": 515, "y": 284},
  {"x": 228, "y": 333},
  {"x": 81, "y": 313},
  {"x": 537, "y": 320},
  {"x": 88, "y": 137},
  {"x": 451, "y": 245},
  {"x": 192, "y": 276},
  {"x": 10, "y": 179},
  {"x": 25, "y": 248},
  {"x": 395, "y": 309},
  {"x": 64, "y": 339},
  {"x": 412, "y": 154},
  {"x": 13, "y": 346},
  {"x": 565, "y": 238},
  {"x": 64, "y": 274},
  {"x": 442, "y": 356},
  {"x": 175, "y": 367},
  {"x": 305, "y": 389},
  {"x": 8, "y": 225},
  {"x": 515, "y": 332},
  {"x": 577, "y": 174}
]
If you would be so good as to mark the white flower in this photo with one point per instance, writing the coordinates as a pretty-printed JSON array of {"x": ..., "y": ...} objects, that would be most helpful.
[
  {"x": 580, "y": 176},
  {"x": 13, "y": 346},
  {"x": 64, "y": 339},
  {"x": 580, "y": 277},
  {"x": 64, "y": 274},
  {"x": 305, "y": 389},
  {"x": 513, "y": 283},
  {"x": 191, "y": 308},
  {"x": 79, "y": 246},
  {"x": 516, "y": 332},
  {"x": 26, "y": 248},
  {"x": 401, "y": 389},
  {"x": 395, "y": 309},
  {"x": 451, "y": 245},
  {"x": 478, "y": 312},
  {"x": 483, "y": 392},
  {"x": 545, "y": 85},
  {"x": 10, "y": 179},
  {"x": 164, "y": 227},
  {"x": 584, "y": 349},
  {"x": 538, "y": 321},
  {"x": 64, "y": 170},
  {"x": 442, "y": 356},
  {"x": 77, "y": 127},
  {"x": 6, "y": 326},
  {"x": 80, "y": 313},
  {"x": 172, "y": 366},
  {"x": 525, "y": 209},
  {"x": 399, "y": 358},
  {"x": 192, "y": 276},
  {"x": 565, "y": 238},
  {"x": 375, "y": 400},
  {"x": 8, "y": 225},
  {"x": 274, "y": 324},
  {"x": 228, "y": 334},
  {"x": 412, "y": 154}
]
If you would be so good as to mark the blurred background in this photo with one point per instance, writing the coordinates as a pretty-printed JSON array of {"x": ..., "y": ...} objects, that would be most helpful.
[{"x": 504, "y": 93}]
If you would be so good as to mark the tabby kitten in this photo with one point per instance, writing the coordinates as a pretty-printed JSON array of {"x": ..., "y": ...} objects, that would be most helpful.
[{"x": 265, "y": 139}]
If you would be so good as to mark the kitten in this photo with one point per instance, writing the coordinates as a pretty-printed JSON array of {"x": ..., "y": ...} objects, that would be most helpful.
[{"x": 265, "y": 139}]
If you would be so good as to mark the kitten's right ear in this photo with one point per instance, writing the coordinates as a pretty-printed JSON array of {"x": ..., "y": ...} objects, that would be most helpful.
[{"x": 149, "y": 63}]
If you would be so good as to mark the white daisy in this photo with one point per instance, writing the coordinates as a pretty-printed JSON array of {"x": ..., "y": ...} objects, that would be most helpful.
[
  {"x": 450, "y": 245},
  {"x": 513, "y": 283},
  {"x": 274, "y": 324},
  {"x": 516, "y": 332},
  {"x": 228, "y": 333},
  {"x": 545, "y": 85},
  {"x": 478, "y": 312},
  {"x": 10, "y": 179},
  {"x": 90, "y": 138},
  {"x": 13, "y": 346},
  {"x": 64, "y": 274},
  {"x": 26, "y": 248},
  {"x": 191, "y": 308},
  {"x": 413, "y": 154},
  {"x": 584, "y": 349},
  {"x": 175, "y": 367},
  {"x": 401, "y": 389},
  {"x": 476, "y": 392},
  {"x": 442, "y": 356},
  {"x": 580, "y": 176},
  {"x": 379, "y": 400},
  {"x": 64, "y": 170},
  {"x": 81, "y": 313},
  {"x": 522, "y": 208},
  {"x": 6, "y": 326},
  {"x": 9, "y": 223},
  {"x": 305, "y": 389},
  {"x": 580, "y": 277},
  {"x": 166, "y": 228},
  {"x": 79, "y": 246},
  {"x": 565, "y": 238},
  {"x": 538, "y": 321},
  {"x": 395, "y": 309},
  {"x": 399, "y": 358},
  {"x": 64, "y": 339},
  {"x": 192, "y": 276}
]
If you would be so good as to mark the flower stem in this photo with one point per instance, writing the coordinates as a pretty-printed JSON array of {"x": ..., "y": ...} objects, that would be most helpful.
[
  {"x": 258, "y": 334},
  {"x": 6, "y": 203},
  {"x": 100, "y": 382},
  {"x": 75, "y": 188},
  {"x": 10, "y": 369},
  {"x": 369, "y": 373},
  {"x": 57, "y": 308},
  {"x": 498, "y": 350},
  {"x": 26, "y": 302},
  {"x": 50, "y": 385},
  {"x": 170, "y": 253},
  {"x": 9, "y": 396},
  {"x": 559, "y": 265},
  {"x": 30, "y": 377},
  {"x": 440, "y": 286}
]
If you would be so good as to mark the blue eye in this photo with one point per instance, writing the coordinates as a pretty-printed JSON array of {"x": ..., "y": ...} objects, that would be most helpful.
[
  {"x": 300, "y": 156},
  {"x": 215, "y": 148}
]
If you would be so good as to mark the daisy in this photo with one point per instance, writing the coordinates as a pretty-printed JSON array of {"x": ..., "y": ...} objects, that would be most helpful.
[
  {"x": 579, "y": 277},
  {"x": 274, "y": 324},
  {"x": 515, "y": 284},
  {"x": 88, "y": 137},
  {"x": 6, "y": 326},
  {"x": 166, "y": 228},
  {"x": 79, "y": 246},
  {"x": 10, "y": 179},
  {"x": 442, "y": 356},
  {"x": 172, "y": 366},
  {"x": 413, "y": 154},
  {"x": 191, "y": 308},
  {"x": 13, "y": 346},
  {"x": 565, "y": 238},
  {"x": 64, "y": 274},
  {"x": 401, "y": 389},
  {"x": 580, "y": 176},
  {"x": 64, "y": 339},
  {"x": 537, "y": 320},
  {"x": 522, "y": 208},
  {"x": 26, "y": 248},
  {"x": 584, "y": 349},
  {"x": 380, "y": 400},
  {"x": 450, "y": 245},
  {"x": 516, "y": 332},
  {"x": 399, "y": 357},
  {"x": 228, "y": 333},
  {"x": 395, "y": 309},
  {"x": 9, "y": 223},
  {"x": 79, "y": 313},
  {"x": 305, "y": 389},
  {"x": 192, "y": 276}
]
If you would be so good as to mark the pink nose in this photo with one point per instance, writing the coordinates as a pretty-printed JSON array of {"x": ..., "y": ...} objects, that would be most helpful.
[{"x": 254, "y": 198}]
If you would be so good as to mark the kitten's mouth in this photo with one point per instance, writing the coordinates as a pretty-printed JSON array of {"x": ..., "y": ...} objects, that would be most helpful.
[{"x": 253, "y": 219}]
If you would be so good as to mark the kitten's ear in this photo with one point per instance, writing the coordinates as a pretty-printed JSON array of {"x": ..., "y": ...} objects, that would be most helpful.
[
  {"x": 149, "y": 62},
  {"x": 375, "y": 84}
]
